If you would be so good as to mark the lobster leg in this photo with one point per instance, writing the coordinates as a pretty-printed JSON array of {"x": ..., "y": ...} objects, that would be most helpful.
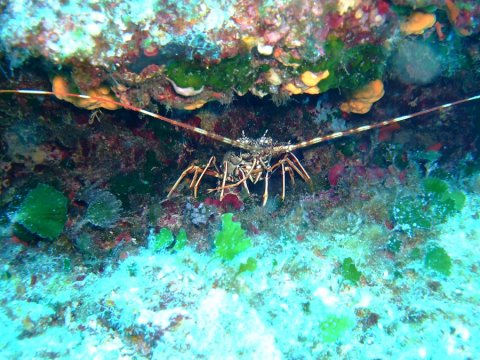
[
  {"x": 180, "y": 178},
  {"x": 196, "y": 170},
  {"x": 307, "y": 177},
  {"x": 265, "y": 193},
  {"x": 292, "y": 175},
  {"x": 195, "y": 176},
  {"x": 195, "y": 189},
  {"x": 245, "y": 181},
  {"x": 299, "y": 169},
  {"x": 224, "y": 179}
]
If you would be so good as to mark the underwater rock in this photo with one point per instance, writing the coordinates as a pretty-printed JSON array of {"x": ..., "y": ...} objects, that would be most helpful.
[{"x": 204, "y": 39}]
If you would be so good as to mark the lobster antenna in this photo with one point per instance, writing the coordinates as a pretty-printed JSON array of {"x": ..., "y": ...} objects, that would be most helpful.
[
  {"x": 173, "y": 122},
  {"x": 360, "y": 129}
]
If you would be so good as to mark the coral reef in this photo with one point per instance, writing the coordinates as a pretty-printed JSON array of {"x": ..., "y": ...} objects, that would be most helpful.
[
  {"x": 373, "y": 256},
  {"x": 186, "y": 56}
]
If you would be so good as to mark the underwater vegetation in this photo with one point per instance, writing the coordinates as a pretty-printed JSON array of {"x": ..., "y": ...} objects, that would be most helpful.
[
  {"x": 231, "y": 240},
  {"x": 103, "y": 210},
  {"x": 43, "y": 212}
]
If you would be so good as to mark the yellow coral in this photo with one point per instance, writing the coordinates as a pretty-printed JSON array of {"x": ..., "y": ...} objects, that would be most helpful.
[
  {"x": 196, "y": 105},
  {"x": 313, "y": 90},
  {"x": 293, "y": 89},
  {"x": 102, "y": 95},
  {"x": 362, "y": 100},
  {"x": 312, "y": 79},
  {"x": 417, "y": 23},
  {"x": 356, "y": 106},
  {"x": 371, "y": 92},
  {"x": 343, "y": 6},
  {"x": 249, "y": 41}
]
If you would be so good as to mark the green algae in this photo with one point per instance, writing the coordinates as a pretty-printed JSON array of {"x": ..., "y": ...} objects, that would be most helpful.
[
  {"x": 166, "y": 240},
  {"x": 180, "y": 240},
  {"x": 249, "y": 266},
  {"x": 350, "y": 67},
  {"x": 349, "y": 271},
  {"x": 162, "y": 240},
  {"x": 230, "y": 240},
  {"x": 186, "y": 74},
  {"x": 232, "y": 73},
  {"x": 43, "y": 212},
  {"x": 437, "y": 259},
  {"x": 443, "y": 203},
  {"x": 334, "y": 327},
  {"x": 435, "y": 205}
]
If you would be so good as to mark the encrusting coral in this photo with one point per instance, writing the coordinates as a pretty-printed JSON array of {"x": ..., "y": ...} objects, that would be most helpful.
[
  {"x": 363, "y": 99},
  {"x": 417, "y": 23}
]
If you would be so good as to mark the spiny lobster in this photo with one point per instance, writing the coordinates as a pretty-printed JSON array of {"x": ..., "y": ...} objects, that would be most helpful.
[{"x": 255, "y": 163}]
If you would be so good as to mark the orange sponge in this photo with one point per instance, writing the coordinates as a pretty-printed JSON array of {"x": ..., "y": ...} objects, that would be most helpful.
[
  {"x": 362, "y": 99},
  {"x": 102, "y": 96},
  {"x": 417, "y": 23}
]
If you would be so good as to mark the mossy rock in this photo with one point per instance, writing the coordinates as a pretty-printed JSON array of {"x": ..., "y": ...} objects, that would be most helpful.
[
  {"x": 394, "y": 243},
  {"x": 132, "y": 183},
  {"x": 434, "y": 206},
  {"x": 409, "y": 214}
]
